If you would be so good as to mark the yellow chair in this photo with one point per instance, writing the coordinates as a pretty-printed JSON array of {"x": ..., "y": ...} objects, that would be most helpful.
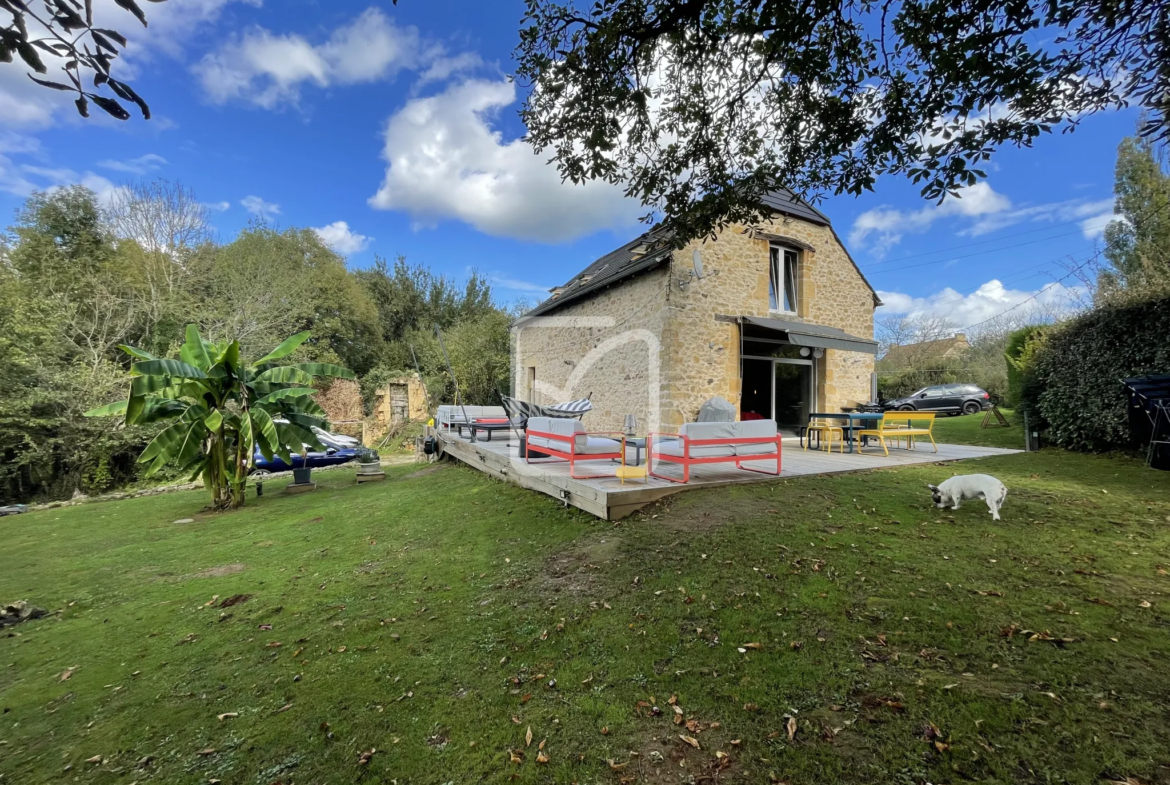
[
  {"x": 898, "y": 426},
  {"x": 826, "y": 430}
]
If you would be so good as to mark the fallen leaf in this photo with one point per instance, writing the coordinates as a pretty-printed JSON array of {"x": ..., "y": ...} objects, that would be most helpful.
[
  {"x": 364, "y": 758},
  {"x": 791, "y": 728},
  {"x": 616, "y": 766},
  {"x": 750, "y": 707},
  {"x": 541, "y": 757},
  {"x": 691, "y": 740},
  {"x": 528, "y": 737},
  {"x": 1145, "y": 604},
  {"x": 755, "y": 646},
  {"x": 68, "y": 672},
  {"x": 94, "y": 759},
  {"x": 515, "y": 757},
  {"x": 227, "y": 715},
  {"x": 208, "y": 751}
]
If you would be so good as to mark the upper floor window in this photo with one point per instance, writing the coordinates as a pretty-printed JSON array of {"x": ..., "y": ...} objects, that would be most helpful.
[{"x": 782, "y": 292}]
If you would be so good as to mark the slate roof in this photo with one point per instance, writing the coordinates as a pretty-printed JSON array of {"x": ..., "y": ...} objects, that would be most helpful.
[{"x": 653, "y": 248}]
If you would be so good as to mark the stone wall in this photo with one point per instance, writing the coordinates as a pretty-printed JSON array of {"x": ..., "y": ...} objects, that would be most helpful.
[
  {"x": 831, "y": 292},
  {"x": 661, "y": 344},
  {"x": 606, "y": 346}
]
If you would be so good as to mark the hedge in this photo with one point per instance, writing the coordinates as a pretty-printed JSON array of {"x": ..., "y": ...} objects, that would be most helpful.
[
  {"x": 1012, "y": 353},
  {"x": 1073, "y": 382}
]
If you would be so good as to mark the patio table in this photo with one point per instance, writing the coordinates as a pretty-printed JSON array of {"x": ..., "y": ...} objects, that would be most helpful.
[{"x": 848, "y": 417}]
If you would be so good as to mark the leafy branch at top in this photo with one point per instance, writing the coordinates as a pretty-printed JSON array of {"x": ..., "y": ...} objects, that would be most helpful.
[{"x": 64, "y": 31}]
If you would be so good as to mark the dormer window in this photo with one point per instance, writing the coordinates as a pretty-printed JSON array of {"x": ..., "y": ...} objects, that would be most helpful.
[{"x": 782, "y": 291}]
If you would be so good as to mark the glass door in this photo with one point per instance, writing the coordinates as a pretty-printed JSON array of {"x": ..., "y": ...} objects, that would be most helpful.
[{"x": 793, "y": 394}]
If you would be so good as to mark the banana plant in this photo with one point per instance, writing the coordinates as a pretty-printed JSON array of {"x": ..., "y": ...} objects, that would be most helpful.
[{"x": 223, "y": 410}]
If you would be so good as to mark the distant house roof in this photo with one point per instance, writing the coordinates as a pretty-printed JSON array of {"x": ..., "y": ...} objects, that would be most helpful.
[
  {"x": 653, "y": 248},
  {"x": 943, "y": 347}
]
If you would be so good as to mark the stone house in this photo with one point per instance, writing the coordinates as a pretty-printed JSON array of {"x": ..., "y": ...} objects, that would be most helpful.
[
  {"x": 909, "y": 355},
  {"x": 775, "y": 317}
]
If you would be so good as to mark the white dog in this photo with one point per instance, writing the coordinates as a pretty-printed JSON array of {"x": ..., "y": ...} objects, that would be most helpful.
[{"x": 970, "y": 486}]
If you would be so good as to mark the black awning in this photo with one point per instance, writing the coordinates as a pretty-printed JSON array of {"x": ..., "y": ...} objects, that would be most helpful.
[{"x": 815, "y": 335}]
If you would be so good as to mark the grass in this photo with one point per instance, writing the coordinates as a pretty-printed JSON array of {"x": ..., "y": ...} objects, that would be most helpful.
[
  {"x": 438, "y": 616},
  {"x": 967, "y": 429}
]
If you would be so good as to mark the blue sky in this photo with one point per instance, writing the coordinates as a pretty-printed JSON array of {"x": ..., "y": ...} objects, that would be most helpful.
[{"x": 393, "y": 130}]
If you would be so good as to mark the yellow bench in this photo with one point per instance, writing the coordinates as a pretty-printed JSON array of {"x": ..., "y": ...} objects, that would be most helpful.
[{"x": 901, "y": 425}]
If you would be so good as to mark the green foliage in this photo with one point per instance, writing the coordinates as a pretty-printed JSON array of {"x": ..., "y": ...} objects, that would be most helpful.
[
  {"x": 899, "y": 382},
  {"x": 1138, "y": 248},
  {"x": 819, "y": 96},
  {"x": 80, "y": 299},
  {"x": 1015, "y": 361},
  {"x": 1072, "y": 377},
  {"x": 223, "y": 410}
]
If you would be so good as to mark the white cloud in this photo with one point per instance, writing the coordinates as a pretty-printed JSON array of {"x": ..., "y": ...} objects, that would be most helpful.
[
  {"x": 1070, "y": 211},
  {"x": 268, "y": 69},
  {"x": 988, "y": 300},
  {"x": 341, "y": 238},
  {"x": 12, "y": 179},
  {"x": 143, "y": 164},
  {"x": 219, "y": 207},
  {"x": 446, "y": 161},
  {"x": 888, "y": 225},
  {"x": 506, "y": 282},
  {"x": 986, "y": 210},
  {"x": 257, "y": 206}
]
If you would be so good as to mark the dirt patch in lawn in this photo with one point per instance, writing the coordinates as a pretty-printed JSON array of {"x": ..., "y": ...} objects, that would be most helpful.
[
  {"x": 422, "y": 472},
  {"x": 215, "y": 572},
  {"x": 579, "y": 570}
]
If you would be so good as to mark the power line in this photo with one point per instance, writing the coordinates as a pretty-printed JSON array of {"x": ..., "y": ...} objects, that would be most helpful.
[
  {"x": 965, "y": 256},
  {"x": 984, "y": 242}
]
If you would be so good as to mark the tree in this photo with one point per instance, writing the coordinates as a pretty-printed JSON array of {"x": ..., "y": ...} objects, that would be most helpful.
[
  {"x": 64, "y": 31},
  {"x": 1138, "y": 246},
  {"x": 223, "y": 410},
  {"x": 160, "y": 216},
  {"x": 698, "y": 107}
]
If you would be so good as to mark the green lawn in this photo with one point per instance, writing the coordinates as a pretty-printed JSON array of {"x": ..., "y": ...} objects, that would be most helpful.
[
  {"x": 967, "y": 429},
  {"x": 438, "y": 616}
]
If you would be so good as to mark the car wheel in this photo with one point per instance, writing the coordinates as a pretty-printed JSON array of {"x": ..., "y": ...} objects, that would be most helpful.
[
  {"x": 260, "y": 473},
  {"x": 906, "y": 408},
  {"x": 971, "y": 407}
]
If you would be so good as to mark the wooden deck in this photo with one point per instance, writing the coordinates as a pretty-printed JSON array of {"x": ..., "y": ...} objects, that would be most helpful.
[{"x": 608, "y": 498}]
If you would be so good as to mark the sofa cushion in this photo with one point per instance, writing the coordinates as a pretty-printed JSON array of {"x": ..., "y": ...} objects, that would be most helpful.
[
  {"x": 562, "y": 427},
  {"x": 599, "y": 445},
  {"x": 756, "y": 429},
  {"x": 675, "y": 448}
]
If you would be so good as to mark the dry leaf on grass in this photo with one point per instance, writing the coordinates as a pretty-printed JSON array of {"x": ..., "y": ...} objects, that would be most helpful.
[
  {"x": 791, "y": 728},
  {"x": 227, "y": 715},
  {"x": 94, "y": 759},
  {"x": 365, "y": 757},
  {"x": 691, "y": 740},
  {"x": 528, "y": 737},
  {"x": 67, "y": 673},
  {"x": 208, "y": 751}
]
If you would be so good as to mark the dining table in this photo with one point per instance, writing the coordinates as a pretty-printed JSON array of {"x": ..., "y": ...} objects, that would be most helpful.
[{"x": 850, "y": 418}]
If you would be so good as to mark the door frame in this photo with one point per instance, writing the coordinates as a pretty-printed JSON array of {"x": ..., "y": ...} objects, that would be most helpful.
[{"x": 812, "y": 381}]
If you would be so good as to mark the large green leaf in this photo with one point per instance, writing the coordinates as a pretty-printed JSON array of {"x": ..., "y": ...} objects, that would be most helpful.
[
  {"x": 138, "y": 354},
  {"x": 285, "y": 393},
  {"x": 160, "y": 409},
  {"x": 174, "y": 368},
  {"x": 304, "y": 420},
  {"x": 285, "y": 374},
  {"x": 265, "y": 429},
  {"x": 110, "y": 409},
  {"x": 294, "y": 436},
  {"x": 169, "y": 442},
  {"x": 325, "y": 369},
  {"x": 213, "y": 420},
  {"x": 194, "y": 350},
  {"x": 287, "y": 347}
]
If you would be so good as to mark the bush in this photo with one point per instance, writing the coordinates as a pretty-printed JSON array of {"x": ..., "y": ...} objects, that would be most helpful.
[
  {"x": 1013, "y": 354},
  {"x": 1072, "y": 381}
]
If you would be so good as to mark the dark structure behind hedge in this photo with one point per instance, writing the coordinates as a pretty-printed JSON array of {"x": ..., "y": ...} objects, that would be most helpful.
[{"x": 1073, "y": 384}]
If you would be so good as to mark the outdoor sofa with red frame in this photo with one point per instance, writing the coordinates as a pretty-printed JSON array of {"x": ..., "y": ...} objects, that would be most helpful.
[
  {"x": 702, "y": 443},
  {"x": 567, "y": 440}
]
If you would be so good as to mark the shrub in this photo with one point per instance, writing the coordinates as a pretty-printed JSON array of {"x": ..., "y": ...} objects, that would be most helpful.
[
  {"x": 1072, "y": 381},
  {"x": 1015, "y": 367}
]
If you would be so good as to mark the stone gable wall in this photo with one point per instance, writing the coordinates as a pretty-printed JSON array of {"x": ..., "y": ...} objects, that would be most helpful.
[{"x": 607, "y": 346}]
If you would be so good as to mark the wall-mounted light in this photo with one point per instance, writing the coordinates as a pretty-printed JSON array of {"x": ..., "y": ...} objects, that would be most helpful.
[
  {"x": 804, "y": 351},
  {"x": 819, "y": 353}
]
